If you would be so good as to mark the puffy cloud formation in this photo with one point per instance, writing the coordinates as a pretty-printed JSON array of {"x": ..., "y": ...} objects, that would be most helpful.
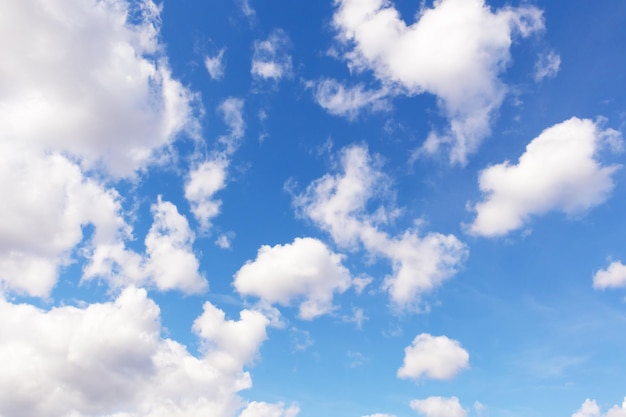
[
  {"x": 612, "y": 277},
  {"x": 88, "y": 78},
  {"x": 108, "y": 359},
  {"x": 209, "y": 177},
  {"x": 341, "y": 100},
  {"x": 455, "y": 50},
  {"x": 337, "y": 204},
  {"x": 558, "y": 171},
  {"x": 169, "y": 262},
  {"x": 270, "y": 59},
  {"x": 436, "y": 357},
  {"x": 261, "y": 409},
  {"x": 439, "y": 407},
  {"x": 215, "y": 65},
  {"x": 304, "y": 270},
  {"x": 591, "y": 409}
]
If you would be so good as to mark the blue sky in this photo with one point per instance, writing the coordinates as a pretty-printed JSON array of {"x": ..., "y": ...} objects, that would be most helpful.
[{"x": 360, "y": 208}]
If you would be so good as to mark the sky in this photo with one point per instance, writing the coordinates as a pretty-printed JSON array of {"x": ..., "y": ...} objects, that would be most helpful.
[{"x": 339, "y": 208}]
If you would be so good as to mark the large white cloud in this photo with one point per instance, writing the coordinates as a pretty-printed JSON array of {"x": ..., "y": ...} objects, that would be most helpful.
[
  {"x": 455, "y": 50},
  {"x": 436, "y": 357},
  {"x": 109, "y": 359},
  {"x": 439, "y": 407},
  {"x": 612, "y": 277},
  {"x": 591, "y": 409},
  {"x": 79, "y": 77},
  {"x": 337, "y": 204},
  {"x": 305, "y": 270},
  {"x": 558, "y": 171}
]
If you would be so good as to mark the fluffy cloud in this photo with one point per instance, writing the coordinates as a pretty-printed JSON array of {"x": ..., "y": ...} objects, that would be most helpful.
[
  {"x": 591, "y": 409},
  {"x": 48, "y": 202},
  {"x": 455, "y": 50},
  {"x": 209, "y": 177},
  {"x": 215, "y": 65},
  {"x": 270, "y": 59},
  {"x": 340, "y": 100},
  {"x": 439, "y": 407},
  {"x": 261, "y": 409},
  {"x": 79, "y": 77},
  {"x": 169, "y": 262},
  {"x": 436, "y": 357},
  {"x": 612, "y": 277},
  {"x": 304, "y": 270},
  {"x": 558, "y": 171},
  {"x": 109, "y": 359},
  {"x": 337, "y": 204}
]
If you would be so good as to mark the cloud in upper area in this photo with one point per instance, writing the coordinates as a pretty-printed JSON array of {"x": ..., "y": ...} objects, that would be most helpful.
[
  {"x": 215, "y": 65},
  {"x": 612, "y": 277},
  {"x": 439, "y": 407},
  {"x": 270, "y": 59},
  {"x": 591, "y": 409},
  {"x": 435, "y": 357},
  {"x": 337, "y": 204},
  {"x": 305, "y": 270},
  {"x": 455, "y": 50},
  {"x": 98, "y": 88},
  {"x": 559, "y": 171},
  {"x": 108, "y": 359}
]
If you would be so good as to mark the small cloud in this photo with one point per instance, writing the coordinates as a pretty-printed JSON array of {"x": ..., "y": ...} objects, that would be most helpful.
[
  {"x": 215, "y": 65},
  {"x": 358, "y": 317},
  {"x": 547, "y": 66},
  {"x": 300, "y": 339},
  {"x": 270, "y": 59},
  {"x": 356, "y": 359},
  {"x": 224, "y": 241}
]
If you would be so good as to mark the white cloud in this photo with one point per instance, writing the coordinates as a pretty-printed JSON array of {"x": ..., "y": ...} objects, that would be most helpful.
[
  {"x": 262, "y": 409},
  {"x": 547, "y": 66},
  {"x": 439, "y": 407},
  {"x": 48, "y": 200},
  {"x": 209, "y": 177},
  {"x": 108, "y": 359},
  {"x": 380, "y": 415},
  {"x": 612, "y": 277},
  {"x": 340, "y": 100},
  {"x": 337, "y": 204},
  {"x": 215, "y": 65},
  {"x": 270, "y": 59},
  {"x": 224, "y": 240},
  {"x": 558, "y": 171},
  {"x": 169, "y": 262},
  {"x": 455, "y": 50},
  {"x": 304, "y": 270},
  {"x": 436, "y": 357},
  {"x": 247, "y": 9},
  {"x": 591, "y": 409},
  {"x": 79, "y": 78}
]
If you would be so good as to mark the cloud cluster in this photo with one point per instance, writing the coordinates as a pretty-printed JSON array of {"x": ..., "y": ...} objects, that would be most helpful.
[
  {"x": 436, "y": 357},
  {"x": 109, "y": 359},
  {"x": 455, "y": 50},
  {"x": 270, "y": 59},
  {"x": 338, "y": 204},
  {"x": 591, "y": 409},
  {"x": 559, "y": 171},
  {"x": 304, "y": 270}
]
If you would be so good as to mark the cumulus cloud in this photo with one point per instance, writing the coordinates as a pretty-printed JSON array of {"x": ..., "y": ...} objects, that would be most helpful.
[
  {"x": 209, "y": 177},
  {"x": 591, "y": 409},
  {"x": 169, "y": 262},
  {"x": 82, "y": 79},
  {"x": 547, "y": 66},
  {"x": 612, "y": 277},
  {"x": 559, "y": 171},
  {"x": 270, "y": 59},
  {"x": 305, "y": 270},
  {"x": 108, "y": 359},
  {"x": 341, "y": 100},
  {"x": 439, "y": 407},
  {"x": 215, "y": 65},
  {"x": 262, "y": 409},
  {"x": 338, "y": 204},
  {"x": 436, "y": 357},
  {"x": 455, "y": 50}
]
